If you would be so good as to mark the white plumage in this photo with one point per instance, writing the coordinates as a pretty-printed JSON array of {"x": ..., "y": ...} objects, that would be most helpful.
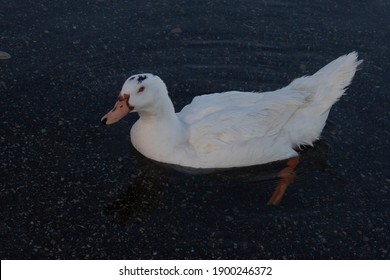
[{"x": 232, "y": 129}]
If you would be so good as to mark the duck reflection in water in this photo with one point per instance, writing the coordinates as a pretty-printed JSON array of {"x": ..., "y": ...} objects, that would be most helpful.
[{"x": 151, "y": 181}]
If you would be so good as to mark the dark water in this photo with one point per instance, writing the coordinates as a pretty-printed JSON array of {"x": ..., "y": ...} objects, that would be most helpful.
[{"x": 71, "y": 188}]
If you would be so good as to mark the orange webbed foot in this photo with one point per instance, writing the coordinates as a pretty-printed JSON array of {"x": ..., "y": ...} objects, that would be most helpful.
[{"x": 287, "y": 176}]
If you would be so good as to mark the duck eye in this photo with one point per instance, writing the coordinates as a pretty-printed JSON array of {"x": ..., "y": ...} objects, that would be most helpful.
[{"x": 141, "y": 89}]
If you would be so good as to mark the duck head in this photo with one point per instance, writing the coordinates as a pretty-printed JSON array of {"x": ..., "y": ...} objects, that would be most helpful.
[{"x": 140, "y": 93}]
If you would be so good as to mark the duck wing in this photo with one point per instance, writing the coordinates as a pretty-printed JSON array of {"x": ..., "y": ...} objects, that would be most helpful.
[{"x": 222, "y": 120}]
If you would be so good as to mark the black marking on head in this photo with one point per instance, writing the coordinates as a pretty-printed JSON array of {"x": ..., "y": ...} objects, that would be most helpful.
[
  {"x": 141, "y": 78},
  {"x": 132, "y": 78}
]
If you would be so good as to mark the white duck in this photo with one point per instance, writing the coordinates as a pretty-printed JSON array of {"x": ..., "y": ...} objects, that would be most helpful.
[{"x": 231, "y": 129}]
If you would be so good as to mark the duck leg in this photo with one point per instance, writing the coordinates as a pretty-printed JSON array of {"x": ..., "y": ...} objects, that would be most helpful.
[{"x": 287, "y": 176}]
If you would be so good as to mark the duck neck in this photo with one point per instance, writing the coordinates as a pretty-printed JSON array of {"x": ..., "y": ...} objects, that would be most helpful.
[
  {"x": 163, "y": 111},
  {"x": 158, "y": 132}
]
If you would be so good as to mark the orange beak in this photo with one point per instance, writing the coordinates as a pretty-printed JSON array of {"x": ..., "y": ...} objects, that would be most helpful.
[{"x": 121, "y": 109}]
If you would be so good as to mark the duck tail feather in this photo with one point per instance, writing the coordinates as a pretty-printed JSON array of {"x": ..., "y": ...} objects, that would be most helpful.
[{"x": 329, "y": 83}]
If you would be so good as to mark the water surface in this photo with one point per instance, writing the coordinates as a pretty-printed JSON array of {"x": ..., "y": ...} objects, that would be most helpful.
[{"x": 73, "y": 189}]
